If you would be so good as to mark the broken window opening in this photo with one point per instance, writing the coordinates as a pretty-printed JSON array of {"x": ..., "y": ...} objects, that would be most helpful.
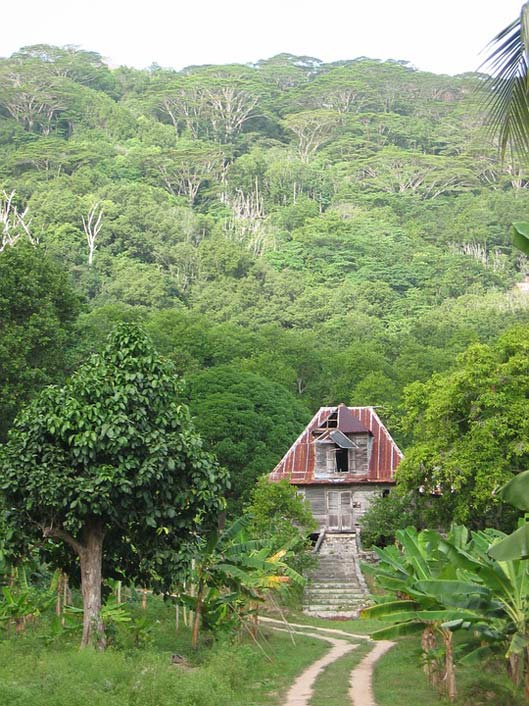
[{"x": 342, "y": 460}]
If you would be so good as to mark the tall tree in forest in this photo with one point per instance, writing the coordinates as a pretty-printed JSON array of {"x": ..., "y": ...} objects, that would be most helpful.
[
  {"x": 110, "y": 463},
  {"x": 38, "y": 308}
]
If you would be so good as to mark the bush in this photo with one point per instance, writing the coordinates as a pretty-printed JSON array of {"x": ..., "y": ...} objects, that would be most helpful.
[
  {"x": 396, "y": 511},
  {"x": 278, "y": 513}
]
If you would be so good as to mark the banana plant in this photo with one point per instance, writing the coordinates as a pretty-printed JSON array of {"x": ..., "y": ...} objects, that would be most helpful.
[
  {"x": 21, "y": 602},
  {"x": 232, "y": 575},
  {"x": 467, "y": 589},
  {"x": 428, "y": 596}
]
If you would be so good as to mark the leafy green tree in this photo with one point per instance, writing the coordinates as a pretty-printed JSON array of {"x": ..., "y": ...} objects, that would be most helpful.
[
  {"x": 246, "y": 420},
  {"x": 110, "y": 464},
  {"x": 389, "y": 513},
  {"x": 469, "y": 430},
  {"x": 233, "y": 574},
  {"x": 38, "y": 308},
  {"x": 312, "y": 129}
]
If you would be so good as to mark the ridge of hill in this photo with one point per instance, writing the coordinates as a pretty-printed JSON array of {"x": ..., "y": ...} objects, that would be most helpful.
[{"x": 292, "y": 233}]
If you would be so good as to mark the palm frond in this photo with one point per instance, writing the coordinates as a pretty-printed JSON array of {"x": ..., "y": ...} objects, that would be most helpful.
[{"x": 507, "y": 102}]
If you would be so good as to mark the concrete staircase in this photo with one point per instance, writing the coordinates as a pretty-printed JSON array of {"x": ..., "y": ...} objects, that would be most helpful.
[{"x": 336, "y": 587}]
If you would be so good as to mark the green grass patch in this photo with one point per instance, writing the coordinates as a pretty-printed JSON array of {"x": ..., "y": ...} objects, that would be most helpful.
[
  {"x": 46, "y": 668},
  {"x": 357, "y": 625},
  {"x": 400, "y": 681},
  {"x": 332, "y": 686}
]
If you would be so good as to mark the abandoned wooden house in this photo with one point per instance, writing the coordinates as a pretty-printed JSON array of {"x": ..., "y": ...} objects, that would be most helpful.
[{"x": 343, "y": 458}]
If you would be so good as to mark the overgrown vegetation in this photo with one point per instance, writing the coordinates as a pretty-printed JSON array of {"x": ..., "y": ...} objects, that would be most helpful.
[
  {"x": 291, "y": 234},
  {"x": 43, "y": 665}
]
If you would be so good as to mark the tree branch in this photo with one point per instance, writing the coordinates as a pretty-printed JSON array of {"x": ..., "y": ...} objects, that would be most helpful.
[{"x": 58, "y": 533}]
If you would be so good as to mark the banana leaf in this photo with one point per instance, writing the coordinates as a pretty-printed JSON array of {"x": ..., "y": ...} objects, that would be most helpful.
[
  {"x": 514, "y": 546},
  {"x": 446, "y": 590},
  {"x": 520, "y": 239},
  {"x": 411, "y": 627},
  {"x": 478, "y": 655},
  {"x": 517, "y": 645},
  {"x": 383, "y": 609},
  {"x": 516, "y": 491},
  {"x": 434, "y": 616}
]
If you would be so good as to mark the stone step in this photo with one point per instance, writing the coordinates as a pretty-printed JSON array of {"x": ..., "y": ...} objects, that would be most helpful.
[
  {"x": 334, "y": 614},
  {"x": 339, "y": 582},
  {"x": 346, "y": 579},
  {"x": 334, "y": 588},
  {"x": 334, "y": 596},
  {"x": 333, "y": 610},
  {"x": 343, "y": 603},
  {"x": 317, "y": 591}
]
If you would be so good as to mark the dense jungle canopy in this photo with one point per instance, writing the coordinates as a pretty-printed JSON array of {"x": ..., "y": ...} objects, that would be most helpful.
[{"x": 290, "y": 233}]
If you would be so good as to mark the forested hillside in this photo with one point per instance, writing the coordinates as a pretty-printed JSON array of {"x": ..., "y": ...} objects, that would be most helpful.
[{"x": 291, "y": 233}]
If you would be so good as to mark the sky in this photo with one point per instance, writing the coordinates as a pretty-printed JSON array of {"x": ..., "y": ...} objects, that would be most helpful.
[{"x": 443, "y": 36}]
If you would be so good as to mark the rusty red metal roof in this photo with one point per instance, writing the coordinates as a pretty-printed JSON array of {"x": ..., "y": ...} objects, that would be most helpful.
[
  {"x": 297, "y": 465},
  {"x": 349, "y": 423}
]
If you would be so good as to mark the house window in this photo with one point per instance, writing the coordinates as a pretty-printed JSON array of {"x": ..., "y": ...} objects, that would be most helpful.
[
  {"x": 336, "y": 453},
  {"x": 342, "y": 460}
]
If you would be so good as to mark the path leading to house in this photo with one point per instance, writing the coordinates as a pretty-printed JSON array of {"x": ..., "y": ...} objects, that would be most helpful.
[{"x": 361, "y": 680}]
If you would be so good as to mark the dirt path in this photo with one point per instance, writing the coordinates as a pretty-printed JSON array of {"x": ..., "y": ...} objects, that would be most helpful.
[
  {"x": 301, "y": 690},
  {"x": 361, "y": 681}
]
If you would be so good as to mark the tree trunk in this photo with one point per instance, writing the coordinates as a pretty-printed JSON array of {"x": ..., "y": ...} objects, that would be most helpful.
[
  {"x": 91, "y": 559},
  {"x": 430, "y": 664},
  {"x": 198, "y": 614},
  {"x": 60, "y": 592},
  {"x": 450, "y": 676},
  {"x": 514, "y": 668},
  {"x": 526, "y": 673}
]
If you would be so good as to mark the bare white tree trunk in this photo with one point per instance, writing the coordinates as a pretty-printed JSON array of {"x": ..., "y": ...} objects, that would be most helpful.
[
  {"x": 91, "y": 226},
  {"x": 13, "y": 225}
]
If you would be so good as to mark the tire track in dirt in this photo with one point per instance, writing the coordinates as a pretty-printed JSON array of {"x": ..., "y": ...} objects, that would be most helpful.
[{"x": 361, "y": 679}]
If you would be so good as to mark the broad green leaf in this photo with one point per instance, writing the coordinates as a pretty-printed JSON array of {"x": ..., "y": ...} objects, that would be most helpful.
[
  {"x": 515, "y": 546},
  {"x": 411, "y": 627},
  {"x": 516, "y": 491},
  {"x": 383, "y": 609},
  {"x": 447, "y": 590},
  {"x": 520, "y": 231}
]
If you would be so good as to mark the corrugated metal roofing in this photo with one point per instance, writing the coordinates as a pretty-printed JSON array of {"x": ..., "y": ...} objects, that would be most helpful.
[{"x": 298, "y": 463}]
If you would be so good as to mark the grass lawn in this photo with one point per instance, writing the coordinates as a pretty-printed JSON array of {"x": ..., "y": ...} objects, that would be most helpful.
[
  {"x": 358, "y": 626},
  {"x": 39, "y": 669}
]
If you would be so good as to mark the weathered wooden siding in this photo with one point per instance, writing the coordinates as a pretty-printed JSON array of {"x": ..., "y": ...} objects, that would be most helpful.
[
  {"x": 359, "y": 457},
  {"x": 363, "y": 497},
  {"x": 317, "y": 499},
  {"x": 325, "y": 510}
]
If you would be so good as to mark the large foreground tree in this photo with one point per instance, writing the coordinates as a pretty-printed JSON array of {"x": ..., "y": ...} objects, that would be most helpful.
[{"x": 110, "y": 464}]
